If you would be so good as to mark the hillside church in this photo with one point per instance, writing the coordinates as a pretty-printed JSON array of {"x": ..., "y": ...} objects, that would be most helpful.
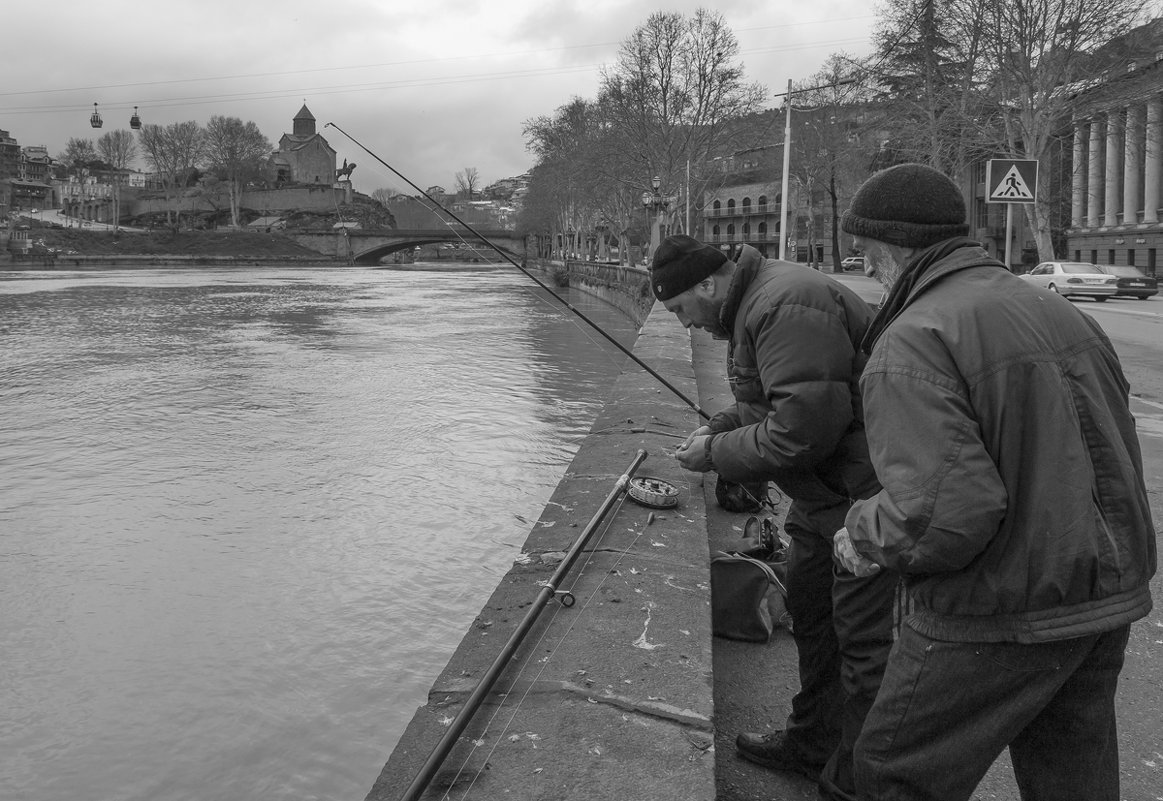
[{"x": 304, "y": 157}]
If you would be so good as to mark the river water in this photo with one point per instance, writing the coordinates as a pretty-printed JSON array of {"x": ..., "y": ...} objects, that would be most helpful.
[{"x": 248, "y": 514}]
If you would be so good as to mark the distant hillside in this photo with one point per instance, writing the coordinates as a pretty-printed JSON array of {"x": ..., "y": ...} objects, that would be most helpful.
[{"x": 67, "y": 241}]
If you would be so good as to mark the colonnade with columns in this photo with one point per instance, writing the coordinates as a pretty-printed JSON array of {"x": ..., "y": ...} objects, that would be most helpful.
[{"x": 1118, "y": 166}]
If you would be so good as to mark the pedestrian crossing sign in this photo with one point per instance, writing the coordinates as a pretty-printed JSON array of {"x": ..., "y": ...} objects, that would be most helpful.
[{"x": 1011, "y": 180}]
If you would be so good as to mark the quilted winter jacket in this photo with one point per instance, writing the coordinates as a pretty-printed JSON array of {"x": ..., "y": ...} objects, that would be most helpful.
[
  {"x": 1013, "y": 501},
  {"x": 794, "y": 368}
]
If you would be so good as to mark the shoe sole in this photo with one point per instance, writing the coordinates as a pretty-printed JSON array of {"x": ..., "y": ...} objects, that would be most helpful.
[{"x": 807, "y": 771}]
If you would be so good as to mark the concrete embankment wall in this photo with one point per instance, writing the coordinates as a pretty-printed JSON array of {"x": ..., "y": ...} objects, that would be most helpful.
[
  {"x": 612, "y": 697},
  {"x": 625, "y": 288}
]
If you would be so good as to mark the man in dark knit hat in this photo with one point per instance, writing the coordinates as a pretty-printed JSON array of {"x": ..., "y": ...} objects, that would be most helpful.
[
  {"x": 1013, "y": 503},
  {"x": 794, "y": 363}
]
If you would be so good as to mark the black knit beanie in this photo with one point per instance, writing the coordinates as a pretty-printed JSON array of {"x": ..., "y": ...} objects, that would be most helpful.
[
  {"x": 681, "y": 262},
  {"x": 910, "y": 205}
]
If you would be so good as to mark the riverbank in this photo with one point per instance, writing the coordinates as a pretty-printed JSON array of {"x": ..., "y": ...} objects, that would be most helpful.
[
  {"x": 622, "y": 679},
  {"x": 626, "y": 694},
  {"x": 53, "y": 245}
]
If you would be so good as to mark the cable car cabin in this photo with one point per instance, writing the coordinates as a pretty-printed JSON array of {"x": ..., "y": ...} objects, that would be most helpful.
[
  {"x": 95, "y": 120},
  {"x": 135, "y": 121}
]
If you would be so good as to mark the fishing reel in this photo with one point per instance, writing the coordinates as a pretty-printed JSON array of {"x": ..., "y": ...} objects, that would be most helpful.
[{"x": 653, "y": 493}]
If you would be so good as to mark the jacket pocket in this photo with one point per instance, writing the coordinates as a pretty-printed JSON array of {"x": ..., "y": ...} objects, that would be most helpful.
[{"x": 745, "y": 384}]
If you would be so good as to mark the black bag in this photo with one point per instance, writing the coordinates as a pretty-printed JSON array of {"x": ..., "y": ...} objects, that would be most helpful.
[
  {"x": 740, "y": 497},
  {"x": 748, "y": 586}
]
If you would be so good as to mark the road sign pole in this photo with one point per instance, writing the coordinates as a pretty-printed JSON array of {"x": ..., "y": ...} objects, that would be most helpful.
[{"x": 1009, "y": 233}]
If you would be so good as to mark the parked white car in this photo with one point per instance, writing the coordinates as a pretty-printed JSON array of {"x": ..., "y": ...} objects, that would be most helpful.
[{"x": 1069, "y": 278}]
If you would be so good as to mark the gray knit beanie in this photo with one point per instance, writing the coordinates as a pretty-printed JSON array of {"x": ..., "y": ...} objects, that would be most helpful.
[{"x": 910, "y": 205}]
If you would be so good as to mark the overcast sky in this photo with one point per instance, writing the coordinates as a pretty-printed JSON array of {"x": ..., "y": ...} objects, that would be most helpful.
[{"x": 429, "y": 86}]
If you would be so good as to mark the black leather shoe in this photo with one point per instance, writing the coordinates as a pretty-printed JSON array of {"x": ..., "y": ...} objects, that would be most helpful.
[{"x": 773, "y": 750}]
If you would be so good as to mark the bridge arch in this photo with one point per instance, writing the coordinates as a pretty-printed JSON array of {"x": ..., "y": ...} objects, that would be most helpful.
[
  {"x": 373, "y": 254},
  {"x": 368, "y": 246}
]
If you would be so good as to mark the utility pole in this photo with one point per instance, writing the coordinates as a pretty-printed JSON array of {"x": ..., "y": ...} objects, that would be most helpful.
[{"x": 783, "y": 235}]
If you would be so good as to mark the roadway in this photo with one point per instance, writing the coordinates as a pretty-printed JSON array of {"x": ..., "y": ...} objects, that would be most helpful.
[{"x": 55, "y": 216}]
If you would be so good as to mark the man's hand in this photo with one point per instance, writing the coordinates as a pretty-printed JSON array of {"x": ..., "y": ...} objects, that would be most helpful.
[
  {"x": 692, "y": 453},
  {"x": 701, "y": 431},
  {"x": 848, "y": 558}
]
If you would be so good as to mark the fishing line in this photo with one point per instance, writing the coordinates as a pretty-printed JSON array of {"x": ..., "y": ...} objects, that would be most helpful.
[
  {"x": 589, "y": 337},
  {"x": 529, "y": 275},
  {"x": 536, "y": 647}
]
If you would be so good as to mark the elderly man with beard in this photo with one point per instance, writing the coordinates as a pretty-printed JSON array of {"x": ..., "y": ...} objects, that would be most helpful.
[
  {"x": 1013, "y": 505},
  {"x": 793, "y": 364}
]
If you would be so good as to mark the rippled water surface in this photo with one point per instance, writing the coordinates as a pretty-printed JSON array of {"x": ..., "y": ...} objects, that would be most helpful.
[{"x": 248, "y": 514}]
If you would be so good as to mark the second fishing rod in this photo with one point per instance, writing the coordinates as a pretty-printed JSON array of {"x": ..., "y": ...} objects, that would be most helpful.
[{"x": 650, "y": 370}]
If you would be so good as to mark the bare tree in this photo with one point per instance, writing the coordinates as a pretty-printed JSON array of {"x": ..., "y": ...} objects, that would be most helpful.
[
  {"x": 674, "y": 90},
  {"x": 1037, "y": 46},
  {"x": 174, "y": 151},
  {"x": 78, "y": 153},
  {"x": 384, "y": 195},
  {"x": 466, "y": 182},
  {"x": 670, "y": 100},
  {"x": 832, "y": 146},
  {"x": 236, "y": 151},
  {"x": 1000, "y": 79},
  {"x": 118, "y": 150}
]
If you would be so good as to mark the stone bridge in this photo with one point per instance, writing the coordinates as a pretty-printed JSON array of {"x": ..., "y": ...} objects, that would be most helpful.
[{"x": 369, "y": 245}]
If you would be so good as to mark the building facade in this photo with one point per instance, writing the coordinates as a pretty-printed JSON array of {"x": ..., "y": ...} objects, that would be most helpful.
[
  {"x": 9, "y": 170},
  {"x": 747, "y": 214},
  {"x": 1117, "y": 176}
]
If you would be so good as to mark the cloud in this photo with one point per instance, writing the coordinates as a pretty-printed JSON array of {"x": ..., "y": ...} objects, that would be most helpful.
[{"x": 430, "y": 88}]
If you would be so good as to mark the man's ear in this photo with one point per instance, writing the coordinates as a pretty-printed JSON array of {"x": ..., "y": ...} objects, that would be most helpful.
[{"x": 707, "y": 285}]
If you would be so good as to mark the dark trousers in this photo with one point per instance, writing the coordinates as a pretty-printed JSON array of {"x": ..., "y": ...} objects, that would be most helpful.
[
  {"x": 842, "y": 627},
  {"x": 946, "y": 710}
]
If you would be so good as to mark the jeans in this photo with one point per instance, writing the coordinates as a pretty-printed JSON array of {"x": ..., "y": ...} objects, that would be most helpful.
[
  {"x": 842, "y": 626},
  {"x": 946, "y": 710}
]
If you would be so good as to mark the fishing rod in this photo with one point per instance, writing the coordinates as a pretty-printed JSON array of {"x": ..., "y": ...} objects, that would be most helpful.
[
  {"x": 528, "y": 274},
  {"x": 548, "y": 590}
]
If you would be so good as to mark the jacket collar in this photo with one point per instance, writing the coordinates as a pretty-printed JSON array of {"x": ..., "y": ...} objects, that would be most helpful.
[
  {"x": 747, "y": 263},
  {"x": 925, "y": 269}
]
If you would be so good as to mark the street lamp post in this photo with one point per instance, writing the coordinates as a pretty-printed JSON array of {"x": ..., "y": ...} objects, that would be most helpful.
[{"x": 660, "y": 204}]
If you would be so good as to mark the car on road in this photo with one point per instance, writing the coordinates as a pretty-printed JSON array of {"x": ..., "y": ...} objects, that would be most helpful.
[
  {"x": 853, "y": 263},
  {"x": 1073, "y": 279},
  {"x": 1132, "y": 282}
]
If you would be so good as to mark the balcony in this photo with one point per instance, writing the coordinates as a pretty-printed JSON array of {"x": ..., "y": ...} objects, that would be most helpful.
[
  {"x": 742, "y": 211},
  {"x": 733, "y": 239}
]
